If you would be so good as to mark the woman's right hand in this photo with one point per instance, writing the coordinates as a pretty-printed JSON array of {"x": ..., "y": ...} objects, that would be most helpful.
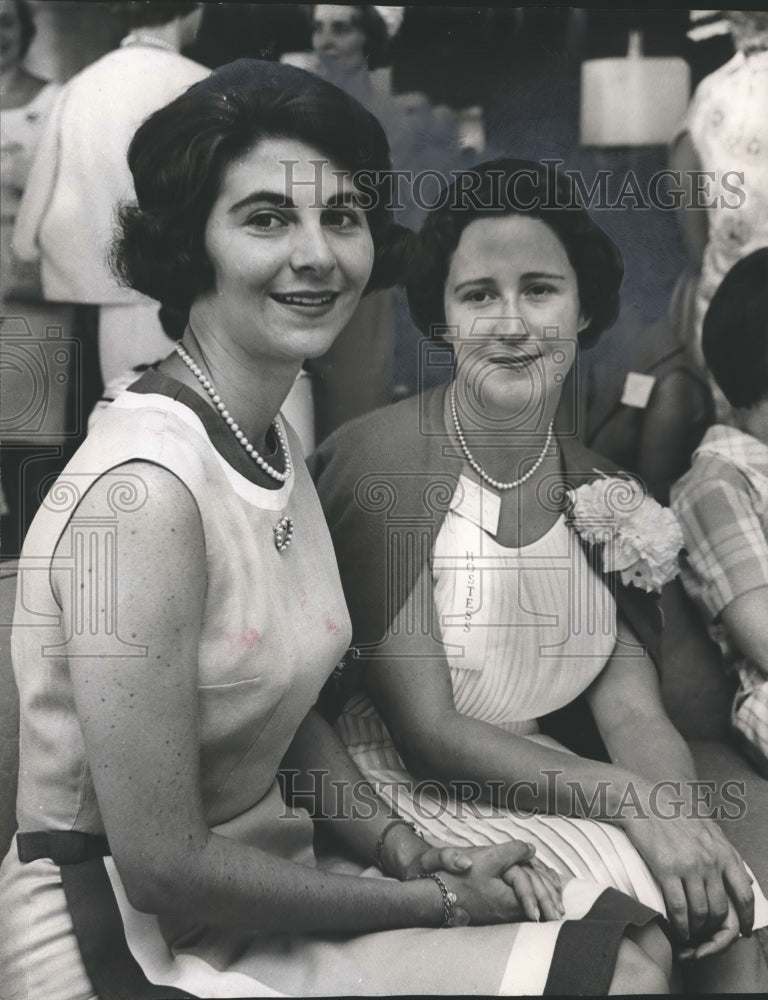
[
  {"x": 539, "y": 888},
  {"x": 502, "y": 886}
]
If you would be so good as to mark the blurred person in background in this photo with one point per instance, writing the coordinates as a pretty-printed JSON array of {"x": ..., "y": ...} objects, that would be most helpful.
[
  {"x": 726, "y": 132},
  {"x": 80, "y": 175},
  {"x": 645, "y": 403},
  {"x": 25, "y": 103},
  {"x": 722, "y": 503},
  {"x": 349, "y": 48},
  {"x": 353, "y": 47}
]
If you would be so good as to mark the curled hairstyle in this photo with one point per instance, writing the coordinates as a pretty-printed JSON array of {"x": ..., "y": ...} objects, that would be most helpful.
[
  {"x": 734, "y": 335},
  {"x": 507, "y": 187},
  {"x": 179, "y": 153},
  {"x": 376, "y": 35}
]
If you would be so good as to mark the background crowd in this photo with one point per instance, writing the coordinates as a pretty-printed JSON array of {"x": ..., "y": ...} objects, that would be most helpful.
[
  {"x": 660, "y": 121},
  {"x": 451, "y": 86}
]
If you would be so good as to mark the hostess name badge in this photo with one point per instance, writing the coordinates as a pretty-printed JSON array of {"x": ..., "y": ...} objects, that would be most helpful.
[
  {"x": 638, "y": 389},
  {"x": 478, "y": 505}
]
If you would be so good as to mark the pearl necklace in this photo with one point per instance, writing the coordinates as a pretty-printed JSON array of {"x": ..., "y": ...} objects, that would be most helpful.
[
  {"x": 476, "y": 465},
  {"x": 228, "y": 419}
]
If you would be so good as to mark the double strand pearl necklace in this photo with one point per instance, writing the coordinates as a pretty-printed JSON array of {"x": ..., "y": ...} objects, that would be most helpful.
[
  {"x": 476, "y": 465},
  {"x": 217, "y": 401}
]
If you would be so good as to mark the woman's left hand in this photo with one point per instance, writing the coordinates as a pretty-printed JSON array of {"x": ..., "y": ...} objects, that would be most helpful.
[
  {"x": 409, "y": 861},
  {"x": 702, "y": 877},
  {"x": 719, "y": 941},
  {"x": 539, "y": 889},
  {"x": 436, "y": 858},
  {"x": 537, "y": 886}
]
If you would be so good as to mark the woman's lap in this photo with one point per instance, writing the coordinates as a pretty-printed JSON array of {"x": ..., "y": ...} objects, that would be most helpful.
[
  {"x": 583, "y": 848},
  {"x": 40, "y": 956}
]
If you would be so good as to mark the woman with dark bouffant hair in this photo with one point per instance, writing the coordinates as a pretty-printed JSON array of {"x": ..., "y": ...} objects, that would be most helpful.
[
  {"x": 498, "y": 576},
  {"x": 180, "y": 609}
]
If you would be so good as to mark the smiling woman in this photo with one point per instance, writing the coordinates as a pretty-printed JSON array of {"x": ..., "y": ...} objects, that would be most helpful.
[
  {"x": 487, "y": 620},
  {"x": 190, "y": 610},
  {"x": 288, "y": 270}
]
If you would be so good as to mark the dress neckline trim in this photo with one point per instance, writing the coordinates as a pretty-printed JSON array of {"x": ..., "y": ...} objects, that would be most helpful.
[
  {"x": 228, "y": 450},
  {"x": 513, "y": 550}
]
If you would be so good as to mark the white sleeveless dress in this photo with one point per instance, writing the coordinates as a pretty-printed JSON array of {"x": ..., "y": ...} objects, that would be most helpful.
[
  {"x": 274, "y": 626},
  {"x": 526, "y": 630}
]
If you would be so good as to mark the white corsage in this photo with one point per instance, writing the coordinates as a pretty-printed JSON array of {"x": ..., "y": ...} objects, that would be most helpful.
[{"x": 640, "y": 538}]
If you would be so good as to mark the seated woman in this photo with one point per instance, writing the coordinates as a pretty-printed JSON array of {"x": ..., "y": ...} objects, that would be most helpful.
[
  {"x": 722, "y": 503},
  {"x": 180, "y": 608},
  {"x": 479, "y": 606}
]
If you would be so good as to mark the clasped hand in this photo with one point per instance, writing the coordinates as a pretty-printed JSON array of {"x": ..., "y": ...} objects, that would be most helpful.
[
  {"x": 503, "y": 883},
  {"x": 706, "y": 887}
]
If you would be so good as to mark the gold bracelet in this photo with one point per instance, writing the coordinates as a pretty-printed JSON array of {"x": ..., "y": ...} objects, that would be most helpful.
[
  {"x": 380, "y": 842},
  {"x": 449, "y": 899}
]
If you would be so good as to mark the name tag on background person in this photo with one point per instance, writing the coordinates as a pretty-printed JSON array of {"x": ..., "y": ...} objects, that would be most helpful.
[
  {"x": 478, "y": 505},
  {"x": 638, "y": 389}
]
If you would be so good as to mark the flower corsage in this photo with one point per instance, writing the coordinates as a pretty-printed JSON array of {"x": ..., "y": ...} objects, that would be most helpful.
[{"x": 640, "y": 538}]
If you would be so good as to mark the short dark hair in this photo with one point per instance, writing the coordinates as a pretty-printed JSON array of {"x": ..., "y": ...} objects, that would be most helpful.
[
  {"x": 26, "y": 25},
  {"x": 734, "y": 335},
  {"x": 506, "y": 187},
  {"x": 374, "y": 27},
  {"x": 179, "y": 153},
  {"x": 376, "y": 36}
]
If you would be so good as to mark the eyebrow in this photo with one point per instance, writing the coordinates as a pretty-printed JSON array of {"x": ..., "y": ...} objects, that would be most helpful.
[
  {"x": 528, "y": 276},
  {"x": 281, "y": 200}
]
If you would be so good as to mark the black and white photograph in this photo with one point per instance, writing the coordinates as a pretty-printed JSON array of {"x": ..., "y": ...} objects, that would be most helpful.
[{"x": 383, "y": 500}]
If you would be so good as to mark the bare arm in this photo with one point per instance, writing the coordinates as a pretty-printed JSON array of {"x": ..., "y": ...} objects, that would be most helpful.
[
  {"x": 746, "y": 619},
  {"x": 700, "y": 873},
  {"x": 414, "y": 696},
  {"x": 139, "y": 720},
  {"x": 626, "y": 703},
  {"x": 412, "y": 690},
  {"x": 346, "y": 802},
  {"x": 319, "y": 775}
]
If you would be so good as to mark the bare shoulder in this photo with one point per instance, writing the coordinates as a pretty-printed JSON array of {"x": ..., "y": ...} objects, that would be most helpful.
[
  {"x": 155, "y": 520},
  {"x": 137, "y": 490}
]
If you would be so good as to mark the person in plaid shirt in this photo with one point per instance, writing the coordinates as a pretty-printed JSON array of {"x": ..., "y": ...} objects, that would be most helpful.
[{"x": 722, "y": 502}]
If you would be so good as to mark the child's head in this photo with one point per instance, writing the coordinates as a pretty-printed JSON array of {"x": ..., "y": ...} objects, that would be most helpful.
[{"x": 735, "y": 332}]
